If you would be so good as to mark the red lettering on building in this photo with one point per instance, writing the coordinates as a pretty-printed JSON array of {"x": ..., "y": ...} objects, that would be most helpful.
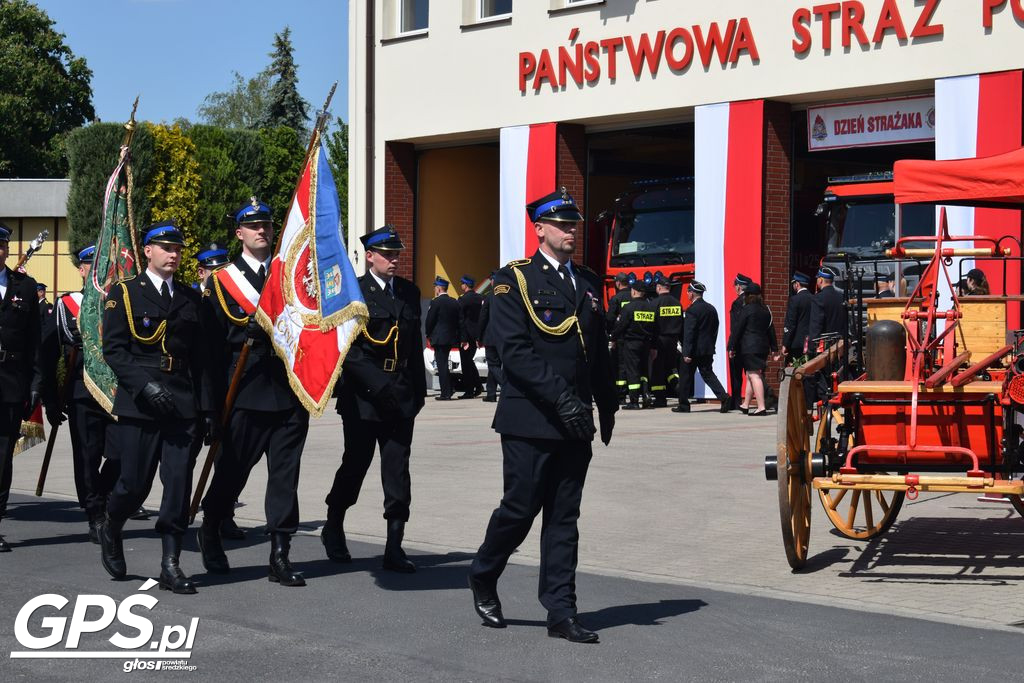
[
  {"x": 675, "y": 36},
  {"x": 824, "y": 14},
  {"x": 853, "y": 23},
  {"x": 714, "y": 41},
  {"x": 743, "y": 42},
  {"x": 924, "y": 27},
  {"x": 643, "y": 51},
  {"x": 889, "y": 20},
  {"x": 802, "y": 29}
]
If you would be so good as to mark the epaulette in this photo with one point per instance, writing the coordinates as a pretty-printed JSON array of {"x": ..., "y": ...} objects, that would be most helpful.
[{"x": 517, "y": 262}]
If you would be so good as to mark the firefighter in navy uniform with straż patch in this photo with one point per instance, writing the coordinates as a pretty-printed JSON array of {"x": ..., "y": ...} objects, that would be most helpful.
[
  {"x": 668, "y": 324},
  {"x": 633, "y": 335},
  {"x": 550, "y": 329}
]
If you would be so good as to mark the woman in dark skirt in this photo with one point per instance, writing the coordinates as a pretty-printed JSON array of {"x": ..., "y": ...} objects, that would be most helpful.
[{"x": 751, "y": 339}]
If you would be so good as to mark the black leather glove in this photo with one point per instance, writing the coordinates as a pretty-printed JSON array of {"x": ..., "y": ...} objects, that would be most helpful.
[
  {"x": 54, "y": 415},
  {"x": 210, "y": 427},
  {"x": 575, "y": 416},
  {"x": 607, "y": 420},
  {"x": 34, "y": 399},
  {"x": 157, "y": 396},
  {"x": 76, "y": 338},
  {"x": 252, "y": 328}
]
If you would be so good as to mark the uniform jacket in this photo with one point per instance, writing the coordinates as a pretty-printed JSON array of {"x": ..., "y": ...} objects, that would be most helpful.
[
  {"x": 540, "y": 365},
  {"x": 59, "y": 335},
  {"x": 887, "y": 294},
  {"x": 135, "y": 363},
  {"x": 700, "y": 330},
  {"x": 827, "y": 313},
  {"x": 636, "y": 322},
  {"x": 798, "y": 322},
  {"x": 753, "y": 333},
  {"x": 443, "y": 322},
  {"x": 20, "y": 371},
  {"x": 469, "y": 317},
  {"x": 371, "y": 368},
  {"x": 668, "y": 315},
  {"x": 264, "y": 381},
  {"x": 485, "y": 319},
  {"x": 615, "y": 307}
]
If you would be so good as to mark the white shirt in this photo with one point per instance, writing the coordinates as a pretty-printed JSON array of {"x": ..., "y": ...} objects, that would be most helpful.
[
  {"x": 4, "y": 281},
  {"x": 255, "y": 265},
  {"x": 159, "y": 281},
  {"x": 554, "y": 264}
]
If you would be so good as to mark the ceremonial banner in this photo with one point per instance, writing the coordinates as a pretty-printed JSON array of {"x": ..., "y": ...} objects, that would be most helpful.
[
  {"x": 115, "y": 260},
  {"x": 867, "y": 124},
  {"x": 311, "y": 305}
]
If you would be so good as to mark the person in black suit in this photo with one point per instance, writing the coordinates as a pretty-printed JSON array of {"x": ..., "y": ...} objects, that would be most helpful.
[
  {"x": 266, "y": 417},
  {"x": 549, "y": 325},
  {"x": 45, "y": 307},
  {"x": 885, "y": 286},
  {"x": 380, "y": 392},
  {"x": 750, "y": 340},
  {"x": 469, "y": 323},
  {"x": 699, "y": 338},
  {"x": 153, "y": 342},
  {"x": 443, "y": 334},
  {"x": 735, "y": 368},
  {"x": 795, "y": 339},
  {"x": 20, "y": 372},
  {"x": 494, "y": 377}
]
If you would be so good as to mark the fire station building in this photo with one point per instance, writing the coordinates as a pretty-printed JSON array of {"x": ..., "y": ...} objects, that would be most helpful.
[{"x": 464, "y": 110}]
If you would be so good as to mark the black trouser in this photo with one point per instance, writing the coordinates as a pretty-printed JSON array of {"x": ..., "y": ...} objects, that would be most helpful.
[
  {"x": 620, "y": 369},
  {"x": 634, "y": 357},
  {"x": 142, "y": 446},
  {"x": 703, "y": 364},
  {"x": 281, "y": 435},
  {"x": 736, "y": 381},
  {"x": 10, "y": 432},
  {"x": 665, "y": 367},
  {"x": 539, "y": 475},
  {"x": 395, "y": 441},
  {"x": 444, "y": 377},
  {"x": 94, "y": 477},
  {"x": 470, "y": 375},
  {"x": 494, "y": 377}
]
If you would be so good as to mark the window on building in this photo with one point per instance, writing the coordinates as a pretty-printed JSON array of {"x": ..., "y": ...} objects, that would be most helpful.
[
  {"x": 413, "y": 15},
  {"x": 495, "y": 8}
]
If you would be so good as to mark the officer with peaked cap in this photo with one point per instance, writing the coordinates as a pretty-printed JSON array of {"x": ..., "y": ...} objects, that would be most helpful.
[
  {"x": 87, "y": 420},
  {"x": 735, "y": 369},
  {"x": 494, "y": 375},
  {"x": 795, "y": 338},
  {"x": 828, "y": 312},
  {"x": 155, "y": 346},
  {"x": 380, "y": 392},
  {"x": 699, "y": 342},
  {"x": 469, "y": 322},
  {"x": 20, "y": 374},
  {"x": 884, "y": 285},
  {"x": 266, "y": 417},
  {"x": 209, "y": 260},
  {"x": 549, "y": 325},
  {"x": 668, "y": 324},
  {"x": 442, "y": 328}
]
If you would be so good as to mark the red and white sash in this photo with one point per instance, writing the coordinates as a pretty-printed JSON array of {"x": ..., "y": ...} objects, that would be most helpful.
[
  {"x": 73, "y": 302},
  {"x": 241, "y": 290}
]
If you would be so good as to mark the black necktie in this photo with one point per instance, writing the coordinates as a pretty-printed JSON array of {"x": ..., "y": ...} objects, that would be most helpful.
[
  {"x": 165, "y": 294},
  {"x": 564, "y": 270},
  {"x": 387, "y": 290},
  {"x": 261, "y": 276}
]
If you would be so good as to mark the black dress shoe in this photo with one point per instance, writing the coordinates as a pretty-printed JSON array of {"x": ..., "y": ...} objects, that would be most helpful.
[
  {"x": 571, "y": 630},
  {"x": 681, "y": 409},
  {"x": 211, "y": 549},
  {"x": 5, "y": 547},
  {"x": 725, "y": 407},
  {"x": 333, "y": 537},
  {"x": 280, "y": 567},
  {"x": 112, "y": 549},
  {"x": 140, "y": 514},
  {"x": 443, "y": 398},
  {"x": 490, "y": 399},
  {"x": 468, "y": 394},
  {"x": 95, "y": 522},
  {"x": 487, "y": 604},
  {"x": 230, "y": 530},
  {"x": 171, "y": 577},
  {"x": 395, "y": 558}
]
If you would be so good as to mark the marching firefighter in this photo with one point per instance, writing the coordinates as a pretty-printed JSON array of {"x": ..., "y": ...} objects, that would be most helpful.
[
  {"x": 795, "y": 339},
  {"x": 669, "y": 327},
  {"x": 699, "y": 339},
  {"x": 633, "y": 334}
]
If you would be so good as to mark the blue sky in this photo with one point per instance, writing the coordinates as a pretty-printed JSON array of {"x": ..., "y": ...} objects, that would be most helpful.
[{"x": 172, "y": 53}]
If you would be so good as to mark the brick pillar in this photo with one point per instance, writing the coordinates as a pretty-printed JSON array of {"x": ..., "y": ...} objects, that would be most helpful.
[
  {"x": 777, "y": 215},
  {"x": 400, "y": 199},
  {"x": 571, "y": 160}
]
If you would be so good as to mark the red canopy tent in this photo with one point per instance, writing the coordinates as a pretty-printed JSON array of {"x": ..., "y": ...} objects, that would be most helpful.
[{"x": 996, "y": 181}]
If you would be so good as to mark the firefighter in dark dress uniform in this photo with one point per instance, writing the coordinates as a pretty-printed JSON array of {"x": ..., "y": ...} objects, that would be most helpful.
[
  {"x": 442, "y": 327},
  {"x": 668, "y": 323},
  {"x": 380, "y": 392},
  {"x": 795, "y": 337},
  {"x": 494, "y": 376},
  {"x": 699, "y": 339},
  {"x": 735, "y": 368},
  {"x": 828, "y": 317},
  {"x": 550, "y": 327},
  {"x": 884, "y": 285},
  {"x": 154, "y": 344},
  {"x": 266, "y": 417},
  {"x": 87, "y": 420},
  {"x": 633, "y": 335},
  {"x": 20, "y": 372},
  {"x": 469, "y": 324},
  {"x": 615, "y": 304}
]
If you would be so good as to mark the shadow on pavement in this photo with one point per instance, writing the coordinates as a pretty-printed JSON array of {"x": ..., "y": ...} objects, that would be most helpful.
[
  {"x": 433, "y": 572},
  {"x": 645, "y": 614}
]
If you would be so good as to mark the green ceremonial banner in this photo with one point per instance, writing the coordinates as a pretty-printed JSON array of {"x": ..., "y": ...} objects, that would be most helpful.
[{"x": 116, "y": 259}]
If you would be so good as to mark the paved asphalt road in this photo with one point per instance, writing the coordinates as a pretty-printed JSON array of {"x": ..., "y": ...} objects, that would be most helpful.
[{"x": 357, "y": 623}]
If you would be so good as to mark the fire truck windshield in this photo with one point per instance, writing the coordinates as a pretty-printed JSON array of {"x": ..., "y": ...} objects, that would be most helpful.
[
  {"x": 863, "y": 228},
  {"x": 658, "y": 237}
]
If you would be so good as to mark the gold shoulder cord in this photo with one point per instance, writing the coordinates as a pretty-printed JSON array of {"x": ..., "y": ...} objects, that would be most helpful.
[
  {"x": 158, "y": 336},
  {"x": 392, "y": 337},
  {"x": 556, "y": 330},
  {"x": 224, "y": 304}
]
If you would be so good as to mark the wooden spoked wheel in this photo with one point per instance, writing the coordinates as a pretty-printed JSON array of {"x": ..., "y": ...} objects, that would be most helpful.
[
  {"x": 856, "y": 514},
  {"x": 792, "y": 448}
]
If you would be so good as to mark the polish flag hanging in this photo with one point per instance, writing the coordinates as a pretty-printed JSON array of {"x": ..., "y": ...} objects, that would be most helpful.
[
  {"x": 728, "y": 170},
  {"x": 528, "y": 167}
]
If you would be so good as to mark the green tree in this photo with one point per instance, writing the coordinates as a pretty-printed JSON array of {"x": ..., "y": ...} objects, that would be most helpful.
[
  {"x": 174, "y": 189},
  {"x": 337, "y": 148},
  {"x": 285, "y": 106},
  {"x": 282, "y": 161},
  {"x": 241, "y": 106},
  {"x": 45, "y": 92}
]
